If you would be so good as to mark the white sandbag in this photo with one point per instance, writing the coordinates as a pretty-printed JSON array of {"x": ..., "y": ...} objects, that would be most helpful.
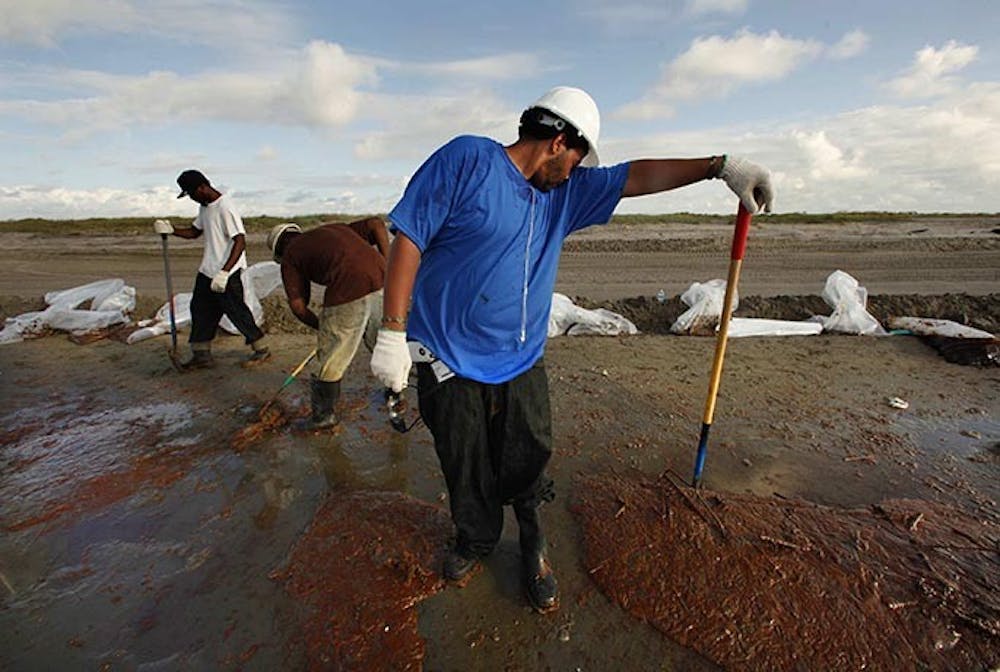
[
  {"x": 160, "y": 324},
  {"x": 111, "y": 302},
  {"x": 84, "y": 321},
  {"x": 73, "y": 297},
  {"x": 847, "y": 298},
  {"x": 264, "y": 278},
  {"x": 182, "y": 310},
  {"x": 705, "y": 300},
  {"x": 927, "y": 326},
  {"x": 740, "y": 327},
  {"x": 122, "y": 300},
  {"x": 566, "y": 318},
  {"x": 111, "y": 294},
  {"x": 22, "y": 326}
]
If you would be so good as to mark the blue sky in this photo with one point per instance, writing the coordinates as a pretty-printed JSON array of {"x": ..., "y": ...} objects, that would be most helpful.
[{"x": 302, "y": 107}]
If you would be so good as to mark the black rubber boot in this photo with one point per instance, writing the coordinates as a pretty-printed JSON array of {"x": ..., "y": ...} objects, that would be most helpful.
[
  {"x": 324, "y": 395},
  {"x": 200, "y": 359},
  {"x": 457, "y": 566},
  {"x": 540, "y": 581}
]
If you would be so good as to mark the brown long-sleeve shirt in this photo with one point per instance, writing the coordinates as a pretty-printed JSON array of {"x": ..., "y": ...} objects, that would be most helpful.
[{"x": 339, "y": 256}]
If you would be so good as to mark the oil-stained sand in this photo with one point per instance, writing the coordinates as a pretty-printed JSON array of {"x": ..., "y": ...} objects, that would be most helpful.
[
  {"x": 358, "y": 570},
  {"x": 763, "y": 583}
]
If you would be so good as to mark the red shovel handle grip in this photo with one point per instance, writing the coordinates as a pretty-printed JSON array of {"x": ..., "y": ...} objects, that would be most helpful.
[{"x": 740, "y": 235}]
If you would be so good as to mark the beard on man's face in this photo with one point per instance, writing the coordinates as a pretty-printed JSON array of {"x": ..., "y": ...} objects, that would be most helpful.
[{"x": 550, "y": 175}]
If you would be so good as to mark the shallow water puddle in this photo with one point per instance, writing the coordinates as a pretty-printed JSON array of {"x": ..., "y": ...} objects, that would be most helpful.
[
  {"x": 964, "y": 436},
  {"x": 89, "y": 460}
]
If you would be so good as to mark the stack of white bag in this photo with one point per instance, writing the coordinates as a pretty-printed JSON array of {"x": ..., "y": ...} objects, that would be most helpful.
[
  {"x": 259, "y": 281},
  {"x": 111, "y": 302},
  {"x": 841, "y": 292},
  {"x": 705, "y": 301},
  {"x": 848, "y": 300}
]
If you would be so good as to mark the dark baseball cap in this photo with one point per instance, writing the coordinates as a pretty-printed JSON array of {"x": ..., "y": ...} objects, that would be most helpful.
[{"x": 190, "y": 180}]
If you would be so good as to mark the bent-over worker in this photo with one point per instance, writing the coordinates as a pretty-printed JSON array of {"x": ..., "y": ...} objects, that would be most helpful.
[{"x": 349, "y": 261}]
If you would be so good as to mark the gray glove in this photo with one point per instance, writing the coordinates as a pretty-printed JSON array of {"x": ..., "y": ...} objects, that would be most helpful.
[{"x": 752, "y": 183}]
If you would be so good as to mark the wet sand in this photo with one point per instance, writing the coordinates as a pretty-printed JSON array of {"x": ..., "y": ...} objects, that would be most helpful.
[{"x": 135, "y": 534}]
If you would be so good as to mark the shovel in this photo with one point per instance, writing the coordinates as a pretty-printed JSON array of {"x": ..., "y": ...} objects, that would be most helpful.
[
  {"x": 173, "y": 316},
  {"x": 288, "y": 381},
  {"x": 735, "y": 262}
]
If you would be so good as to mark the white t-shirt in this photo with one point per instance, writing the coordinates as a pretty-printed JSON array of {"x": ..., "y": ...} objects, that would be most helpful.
[{"x": 219, "y": 222}]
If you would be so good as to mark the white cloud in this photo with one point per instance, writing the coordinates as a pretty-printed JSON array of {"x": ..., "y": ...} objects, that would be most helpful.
[
  {"x": 59, "y": 202},
  {"x": 826, "y": 160},
  {"x": 223, "y": 24},
  {"x": 42, "y": 22},
  {"x": 930, "y": 74},
  {"x": 713, "y": 67},
  {"x": 939, "y": 157},
  {"x": 319, "y": 87},
  {"x": 697, "y": 7},
  {"x": 499, "y": 67},
  {"x": 286, "y": 195},
  {"x": 429, "y": 122},
  {"x": 943, "y": 157},
  {"x": 850, "y": 45},
  {"x": 324, "y": 90}
]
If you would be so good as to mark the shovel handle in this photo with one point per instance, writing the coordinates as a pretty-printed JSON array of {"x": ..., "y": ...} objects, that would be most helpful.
[
  {"x": 288, "y": 381},
  {"x": 740, "y": 235},
  {"x": 170, "y": 293},
  {"x": 298, "y": 369}
]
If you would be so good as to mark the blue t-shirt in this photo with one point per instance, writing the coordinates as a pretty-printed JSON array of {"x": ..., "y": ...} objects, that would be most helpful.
[{"x": 490, "y": 245}]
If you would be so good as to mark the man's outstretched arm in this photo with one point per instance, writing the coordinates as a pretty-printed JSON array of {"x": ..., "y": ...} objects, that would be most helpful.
[{"x": 750, "y": 182}]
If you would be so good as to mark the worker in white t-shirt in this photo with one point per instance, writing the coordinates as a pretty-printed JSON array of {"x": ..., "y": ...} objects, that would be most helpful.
[{"x": 218, "y": 287}]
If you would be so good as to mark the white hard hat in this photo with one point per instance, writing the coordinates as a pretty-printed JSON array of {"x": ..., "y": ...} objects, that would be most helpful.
[
  {"x": 578, "y": 108},
  {"x": 275, "y": 235}
]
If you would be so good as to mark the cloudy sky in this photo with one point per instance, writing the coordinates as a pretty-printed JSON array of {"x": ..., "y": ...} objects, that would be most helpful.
[{"x": 313, "y": 106}]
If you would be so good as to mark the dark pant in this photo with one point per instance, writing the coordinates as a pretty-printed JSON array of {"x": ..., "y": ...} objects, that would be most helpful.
[
  {"x": 208, "y": 307},
  {"x": 493, "y": 442}
]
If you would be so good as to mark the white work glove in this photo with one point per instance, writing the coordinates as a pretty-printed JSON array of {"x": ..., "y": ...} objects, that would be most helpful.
[
  {"x": 752, "y": 183},
  {"x": 220, "y": 281},
  {"x": 163, "y": 227},
  {"x": 391, "y": 359}
]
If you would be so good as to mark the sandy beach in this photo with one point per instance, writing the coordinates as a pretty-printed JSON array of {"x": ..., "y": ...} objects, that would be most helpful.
[{"x": 151, "y": 522}]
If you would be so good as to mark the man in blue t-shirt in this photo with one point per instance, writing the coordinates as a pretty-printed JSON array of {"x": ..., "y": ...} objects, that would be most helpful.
[{"x": 478, "y": 232}]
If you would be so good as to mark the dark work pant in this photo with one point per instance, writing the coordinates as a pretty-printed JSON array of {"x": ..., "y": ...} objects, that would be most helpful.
[
  {"x": 208, "y": 307},
  {"x": 493, "y": 442}
]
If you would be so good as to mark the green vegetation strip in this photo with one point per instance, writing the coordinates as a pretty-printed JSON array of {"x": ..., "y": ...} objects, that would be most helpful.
[{"x": 261, "y": 224}]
